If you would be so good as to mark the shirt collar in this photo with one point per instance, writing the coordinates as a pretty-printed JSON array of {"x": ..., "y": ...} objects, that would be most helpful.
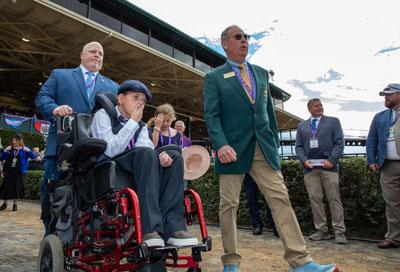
[
  {"x": 84, "y": 70},
  {"x": 318, "y": 118},
  {"x": 235, "y": 64}
]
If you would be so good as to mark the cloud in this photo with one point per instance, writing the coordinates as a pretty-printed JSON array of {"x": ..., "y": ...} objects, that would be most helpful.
[
  {"x": 386, "y": 50},
  {"x": 360, "y": 105}
]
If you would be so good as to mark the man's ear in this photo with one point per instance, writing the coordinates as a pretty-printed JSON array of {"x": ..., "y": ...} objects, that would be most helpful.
[{"x": 120, "y": 98}]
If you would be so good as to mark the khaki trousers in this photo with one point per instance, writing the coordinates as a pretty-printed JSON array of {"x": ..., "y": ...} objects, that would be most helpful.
[
  {"x": 316, "y": 182},
  {"x": 390, "y": 184},
  {"x": 271, "y": 184}
]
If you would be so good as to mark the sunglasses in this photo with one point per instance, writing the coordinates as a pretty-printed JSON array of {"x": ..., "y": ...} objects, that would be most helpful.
[{"x": 239, "y": 36}]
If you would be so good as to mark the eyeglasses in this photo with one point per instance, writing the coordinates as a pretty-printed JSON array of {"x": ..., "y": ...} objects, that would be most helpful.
[{"x": 239, "y": 36}]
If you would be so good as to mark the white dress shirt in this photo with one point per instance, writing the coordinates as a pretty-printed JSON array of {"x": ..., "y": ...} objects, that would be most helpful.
[{"x": 117, "y": 143}]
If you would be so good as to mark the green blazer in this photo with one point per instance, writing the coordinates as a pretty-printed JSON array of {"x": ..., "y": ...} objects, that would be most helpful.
[{"x": 231, "y": 119}]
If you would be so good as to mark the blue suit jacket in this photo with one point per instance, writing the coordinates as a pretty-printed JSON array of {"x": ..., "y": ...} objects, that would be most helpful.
[
  {"x": 330, "y": 142},
  {"x": 377, "y": 138},
  {"x": 67, "y": 87}
]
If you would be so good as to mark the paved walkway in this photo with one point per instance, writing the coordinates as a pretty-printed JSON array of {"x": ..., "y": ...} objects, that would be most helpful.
[{"x": 21, "y": 232}]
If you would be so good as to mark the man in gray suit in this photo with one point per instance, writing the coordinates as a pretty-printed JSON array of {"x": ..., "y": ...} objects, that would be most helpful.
[
  {"x": 67, "y": 91},
  {"x": 319, "y": 146}
]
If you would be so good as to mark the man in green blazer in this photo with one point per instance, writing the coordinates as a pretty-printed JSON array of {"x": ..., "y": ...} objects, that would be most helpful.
[{"x": 241, "y": 122}]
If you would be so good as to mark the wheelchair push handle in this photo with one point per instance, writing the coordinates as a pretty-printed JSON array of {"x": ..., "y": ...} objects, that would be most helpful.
[{"x": 64, "y": 123}]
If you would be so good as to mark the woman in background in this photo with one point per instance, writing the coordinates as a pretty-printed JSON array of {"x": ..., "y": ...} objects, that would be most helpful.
[
  {"x": 15, "y": 166},
  {"x": 162, "y": 133}
]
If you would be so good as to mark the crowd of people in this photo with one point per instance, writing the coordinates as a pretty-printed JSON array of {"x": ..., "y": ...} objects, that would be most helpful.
[{"x": 242, "y": 126}]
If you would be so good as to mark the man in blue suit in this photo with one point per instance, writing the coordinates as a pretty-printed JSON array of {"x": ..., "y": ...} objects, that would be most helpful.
[
  {"x": 383, "y": 153},
  {"x": 320, "y": 138},
  {"x": 67, "y": 91}
]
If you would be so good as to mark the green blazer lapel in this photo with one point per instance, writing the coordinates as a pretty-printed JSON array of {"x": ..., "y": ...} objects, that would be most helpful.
[
  {"x": 260, "y": 88},
  {"x": 234, "y": 82}
]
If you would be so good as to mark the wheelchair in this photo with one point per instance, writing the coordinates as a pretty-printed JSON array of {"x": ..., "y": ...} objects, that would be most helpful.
[{"x": 95, "y": 223}]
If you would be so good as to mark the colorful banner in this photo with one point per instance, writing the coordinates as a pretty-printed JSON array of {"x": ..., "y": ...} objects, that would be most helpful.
[
  {"x": 42, "y": 126},
  {"x": 15, "y": 121}
]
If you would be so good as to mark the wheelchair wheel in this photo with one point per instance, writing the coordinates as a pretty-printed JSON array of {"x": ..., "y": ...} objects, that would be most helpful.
[{"x": 51, "y": 255}]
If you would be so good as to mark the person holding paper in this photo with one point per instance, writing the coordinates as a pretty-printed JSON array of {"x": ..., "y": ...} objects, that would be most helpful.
[{"x": 319, "y": 146}]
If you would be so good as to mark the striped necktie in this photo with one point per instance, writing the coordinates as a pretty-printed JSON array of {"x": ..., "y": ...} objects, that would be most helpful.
[
  {"x": 123, "y": 121},
  {"x": 247, "y": 82},
  {"x": 90, "y": 84},
  {"x": 245, "y": 76}
]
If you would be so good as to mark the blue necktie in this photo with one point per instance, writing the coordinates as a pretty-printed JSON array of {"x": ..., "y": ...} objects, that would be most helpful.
[
  {"x": 89, "y": 84},
  {"x": 314, "y": 124}
]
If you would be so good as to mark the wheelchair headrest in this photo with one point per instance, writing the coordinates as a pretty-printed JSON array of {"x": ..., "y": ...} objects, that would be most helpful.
[{"x": 106, "y": 101}]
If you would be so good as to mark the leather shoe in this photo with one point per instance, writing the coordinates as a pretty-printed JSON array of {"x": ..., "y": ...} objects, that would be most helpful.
[
  {"x": 257, "y": 230},
  {"x": 3, "y": 207},
  {"x": 387, "y": 243}
]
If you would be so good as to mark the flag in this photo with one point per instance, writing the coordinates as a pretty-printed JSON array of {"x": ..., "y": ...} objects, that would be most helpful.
[{"x": 15, "y": 121}]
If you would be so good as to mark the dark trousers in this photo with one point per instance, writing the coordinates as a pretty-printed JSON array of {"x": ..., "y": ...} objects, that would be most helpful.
[
  {"x": 252, "y": 193},
  {"x": 51, "y": 173},
  {"x": 159, "y": 189}
]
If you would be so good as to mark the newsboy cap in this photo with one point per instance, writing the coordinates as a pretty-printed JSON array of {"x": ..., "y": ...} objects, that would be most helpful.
[
  {"x": 134, "y": 86},
  {"x": 391, "y": 88}
]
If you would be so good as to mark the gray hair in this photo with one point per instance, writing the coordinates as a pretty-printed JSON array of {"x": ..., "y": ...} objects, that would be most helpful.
[
  {"x": 224, "y": 34},
  {"x": 312, "y": 101}
]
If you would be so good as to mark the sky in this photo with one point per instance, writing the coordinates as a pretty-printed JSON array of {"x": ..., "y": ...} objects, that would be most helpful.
[{"x": 343, "y": 52}]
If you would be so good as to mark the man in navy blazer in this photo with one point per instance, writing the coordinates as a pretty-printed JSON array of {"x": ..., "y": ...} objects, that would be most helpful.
[
  {"x": 67, "y": 91},
  {"x": 319, "y": 146},
  {"x": 383, "y": 153}
]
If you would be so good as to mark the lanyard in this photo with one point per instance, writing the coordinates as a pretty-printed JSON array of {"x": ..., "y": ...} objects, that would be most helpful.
[
  {"x": 16, "y": 151},
  {"x": 169, "y": 137},
  {"x": 249, "y": 89},
  {"x": 395, "y": 119}
]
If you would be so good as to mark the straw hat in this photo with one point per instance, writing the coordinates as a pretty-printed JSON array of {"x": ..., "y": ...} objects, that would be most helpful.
[{"x": 196, "y": 161}]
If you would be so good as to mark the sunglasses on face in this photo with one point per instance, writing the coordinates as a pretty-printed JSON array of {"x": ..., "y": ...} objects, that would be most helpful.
[{"x": 239, "y": 36}]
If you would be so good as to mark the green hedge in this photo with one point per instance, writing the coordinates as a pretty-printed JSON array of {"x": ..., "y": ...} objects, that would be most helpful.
[
  {"x": 33, "y": 178},
  {"x": 364, "y": 208}
]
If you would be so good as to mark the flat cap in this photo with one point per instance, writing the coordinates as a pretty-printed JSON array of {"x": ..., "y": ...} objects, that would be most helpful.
[
  {"x": 391, "y": 88},
  {"x": 134, "y": 86}
]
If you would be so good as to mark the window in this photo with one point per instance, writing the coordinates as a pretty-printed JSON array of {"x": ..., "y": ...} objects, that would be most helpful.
[
  {"x": 160, "y": 46},
  {"x": 183, "y": 57},
  {"x": 202, "y": 66},
  {"x": 78, "y": 7},
  {"x": 105, "y": 19},
  {"x": 135, "y": 34}
]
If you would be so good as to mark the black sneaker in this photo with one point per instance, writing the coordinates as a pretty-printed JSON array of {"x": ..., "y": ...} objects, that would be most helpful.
[
  {"x": 152, "y": 239},
  {"x": 3, "y": 207},
  {"x": 15, "y": 207},
  {"x": 181, "y": 239}
]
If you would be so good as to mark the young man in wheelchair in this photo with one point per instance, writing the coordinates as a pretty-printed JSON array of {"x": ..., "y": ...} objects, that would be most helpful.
[{"x": 156, "y": 178}]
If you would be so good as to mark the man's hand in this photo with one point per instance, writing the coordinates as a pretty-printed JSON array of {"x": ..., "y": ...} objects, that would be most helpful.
[
  {"x": 8, "y": 148},
  {"x": 374, "y": 167},
  {"x": 165, "y": 159},
  {"x": 62, "y": 110},
  {"x": 308, "y": 164},
  {"x": 137, "y": 114},
  {"x": 226, "y": 154},
  {"x": 327, "y": 165}
]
